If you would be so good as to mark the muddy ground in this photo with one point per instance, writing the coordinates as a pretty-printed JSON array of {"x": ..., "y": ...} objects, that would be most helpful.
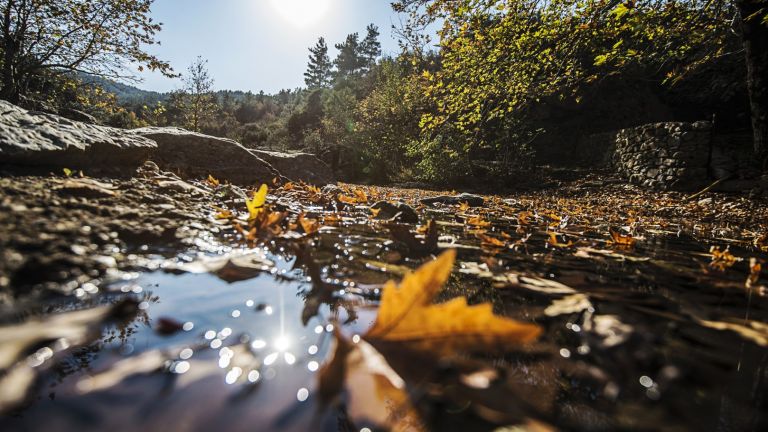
[{"x": 60, "y": 231}]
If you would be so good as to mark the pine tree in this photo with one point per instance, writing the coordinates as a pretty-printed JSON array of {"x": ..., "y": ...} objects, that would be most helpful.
[
  {"x": 370, "y": 48},
  {"x": 199, "y": 101},
  {"x": 318, "y": 72},
  {"x": 348, "y": 62}
]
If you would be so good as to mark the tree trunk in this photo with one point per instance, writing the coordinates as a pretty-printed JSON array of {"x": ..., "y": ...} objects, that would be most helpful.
[{"x": 755, "y": 35}]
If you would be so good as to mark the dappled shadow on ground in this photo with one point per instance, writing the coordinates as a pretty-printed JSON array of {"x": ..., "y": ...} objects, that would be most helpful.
[{"x": 652, "y": 312}]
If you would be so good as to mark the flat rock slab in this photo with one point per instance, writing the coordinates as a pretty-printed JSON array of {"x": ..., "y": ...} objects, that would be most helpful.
[
  {"x": 31, "y": 139},
  {"x": 192, "y": 154},
  {"x": 298, "y": 166}
]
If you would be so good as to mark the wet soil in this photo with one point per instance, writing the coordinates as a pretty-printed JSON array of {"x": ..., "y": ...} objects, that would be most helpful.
[{"x": 653, "y": 306}]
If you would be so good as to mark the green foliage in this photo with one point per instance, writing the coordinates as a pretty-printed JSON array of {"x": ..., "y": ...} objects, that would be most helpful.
[
  {"x": 318, "y": 72},
  {"x": 503, "y": 62},
  {"x": 388, "y": 122},
  {"x": 45, "y": 38}
]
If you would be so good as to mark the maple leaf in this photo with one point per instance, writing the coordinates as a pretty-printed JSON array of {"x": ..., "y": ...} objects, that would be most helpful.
[
  {"x": 464, "y": 206},
  {"x": 256, "y": 205},
  {"x": 523, "y": 218},
  {"x": 408, "y": 318}
]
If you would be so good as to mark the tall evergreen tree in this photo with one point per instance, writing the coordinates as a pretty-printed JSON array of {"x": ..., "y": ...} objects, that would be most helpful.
[
  {"x": 348, "y": 62},
  {"x": 318, "y": 72},
  {"x": 370, "y": 48},
  {"x": 199, "y": 100}
]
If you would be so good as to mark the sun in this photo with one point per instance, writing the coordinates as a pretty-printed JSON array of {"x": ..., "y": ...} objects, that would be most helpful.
[{"x": 301, "y": 13}]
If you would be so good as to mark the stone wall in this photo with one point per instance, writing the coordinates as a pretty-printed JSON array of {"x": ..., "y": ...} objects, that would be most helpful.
[{"x": 670, "y": 155}]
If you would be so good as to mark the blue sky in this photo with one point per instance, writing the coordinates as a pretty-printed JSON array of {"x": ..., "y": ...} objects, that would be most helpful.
[{"x": 258, "y": 44}]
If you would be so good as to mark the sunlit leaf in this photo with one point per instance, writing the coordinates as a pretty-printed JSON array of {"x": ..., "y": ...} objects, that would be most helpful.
[
  {"x": 256, "y": 204},
  {"x": 408, "y": 317}
]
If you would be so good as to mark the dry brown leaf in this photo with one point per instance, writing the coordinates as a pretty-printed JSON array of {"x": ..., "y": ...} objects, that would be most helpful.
[
  {"x": 407, "y": 316},
  {"x": 376, "y": 394},
  {"x": 621, "y": 239},
  {"x": 478, "y": 221},
  {"x": 554, "y": 241},
  {"x": 310, "y": 226},
  {"x": 722, "y": 260}
]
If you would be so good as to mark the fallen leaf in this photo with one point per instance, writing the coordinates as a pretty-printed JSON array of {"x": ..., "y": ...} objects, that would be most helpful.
[
  {"x": 213, "y": 181},
  {"x": 621, "y": 239},
  {"x": 554, "y": 241},
  {"x": 376, "y": 394},
  {"x": 478, "y": 221},
  {"x": 416, "y": 246},
  {"x": 722, "y": 260},
  {"x": 310, "y": 226},
  {"x": 256, "y": 205},
  {"x": 407, "y": 316}
]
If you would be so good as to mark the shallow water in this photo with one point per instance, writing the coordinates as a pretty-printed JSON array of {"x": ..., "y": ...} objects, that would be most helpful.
[{"x": 637, "y": 357}]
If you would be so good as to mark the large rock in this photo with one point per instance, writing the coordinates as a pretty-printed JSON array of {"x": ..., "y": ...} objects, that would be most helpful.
[
  {"x": 298, "y": 166},
  {"x": 196, "y": 155},
  {"x": 30, "y": 139}
]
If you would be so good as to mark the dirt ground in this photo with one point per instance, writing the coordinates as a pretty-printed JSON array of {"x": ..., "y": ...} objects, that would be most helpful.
[{"x": 58, "y": 232}]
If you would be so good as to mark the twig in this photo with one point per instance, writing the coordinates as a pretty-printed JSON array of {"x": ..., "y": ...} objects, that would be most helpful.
[{"x": 708, "y": 188}]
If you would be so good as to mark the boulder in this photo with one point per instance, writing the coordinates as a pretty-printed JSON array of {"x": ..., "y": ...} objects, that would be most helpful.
[
  {"x": 192, "y": 154},
  {"x": 31, "y": 140},
  {"x": 36, "y": 140},
  {"x": 298, "y": 166}
]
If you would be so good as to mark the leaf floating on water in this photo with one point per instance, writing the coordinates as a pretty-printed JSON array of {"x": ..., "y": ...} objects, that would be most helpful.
[
  {"x": 408, "y": 317},
  {"x": 229, "y": 268},
  {"x": 360, "y": 197}
]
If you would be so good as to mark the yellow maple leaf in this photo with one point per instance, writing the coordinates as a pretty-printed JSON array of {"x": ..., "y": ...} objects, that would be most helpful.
[
  {"x": 256, "y": 205},
  {"x": 407, "y": 316}
]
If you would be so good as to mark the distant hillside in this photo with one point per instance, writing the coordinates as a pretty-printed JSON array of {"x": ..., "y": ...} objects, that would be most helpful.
[{"x": 126, "y": 94}]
